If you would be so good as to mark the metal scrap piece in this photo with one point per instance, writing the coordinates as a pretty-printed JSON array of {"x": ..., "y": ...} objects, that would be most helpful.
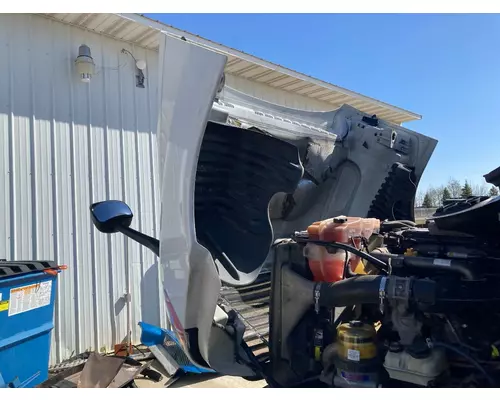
[
  {"x": 127, "y": 374},
  {"x": 68, "y": 378},
  {"x": 99, "y": 371}
]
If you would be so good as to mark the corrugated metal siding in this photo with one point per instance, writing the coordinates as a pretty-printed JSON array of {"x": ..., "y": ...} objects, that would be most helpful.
[{"x": 65, "y": 144}]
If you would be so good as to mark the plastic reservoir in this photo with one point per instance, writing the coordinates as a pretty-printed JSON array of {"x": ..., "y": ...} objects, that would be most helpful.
[{"x": 327, "y": 265}]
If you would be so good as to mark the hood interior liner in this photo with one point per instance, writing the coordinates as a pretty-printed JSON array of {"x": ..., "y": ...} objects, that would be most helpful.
[
  {"x": 238, "y": 173},
  {"x": 395, "y": 199}
]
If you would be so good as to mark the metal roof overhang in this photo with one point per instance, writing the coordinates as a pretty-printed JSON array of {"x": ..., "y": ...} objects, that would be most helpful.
[{"x": 142, "y": 31}]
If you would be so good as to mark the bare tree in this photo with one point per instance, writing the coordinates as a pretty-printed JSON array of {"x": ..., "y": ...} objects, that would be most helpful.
[
  {"x": 480, "y": 189},
  {"x": 435, "y": 195},
  {"x": 419, "y": 198},
  {"x": 455, "y": 188}
]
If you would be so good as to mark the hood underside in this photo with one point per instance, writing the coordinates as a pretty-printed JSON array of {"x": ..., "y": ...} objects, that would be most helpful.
[
  {"x": 263, "y": 182},
  {"x": 239, "y": 171},
  {"x": 254, "y": 173}
]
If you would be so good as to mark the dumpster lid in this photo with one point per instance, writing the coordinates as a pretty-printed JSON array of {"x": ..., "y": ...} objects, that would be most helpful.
[{"x": 14, "y": 268}]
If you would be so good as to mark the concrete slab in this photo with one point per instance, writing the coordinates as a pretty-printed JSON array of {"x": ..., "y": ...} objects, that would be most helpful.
[
  {"x": 203, "y": 381},
  {"x": 199, "y": 381}
]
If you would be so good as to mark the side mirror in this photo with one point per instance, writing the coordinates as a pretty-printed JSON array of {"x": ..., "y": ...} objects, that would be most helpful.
[{"x": 111, "y": 216}]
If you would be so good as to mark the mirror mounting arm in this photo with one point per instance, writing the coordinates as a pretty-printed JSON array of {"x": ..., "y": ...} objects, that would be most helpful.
[{"x": 147, "y": 241}]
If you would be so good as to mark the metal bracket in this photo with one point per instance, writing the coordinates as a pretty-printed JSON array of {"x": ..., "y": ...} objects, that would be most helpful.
[
  {"x": 382, "y": 293},
  {"x": 316, "y": 297}
]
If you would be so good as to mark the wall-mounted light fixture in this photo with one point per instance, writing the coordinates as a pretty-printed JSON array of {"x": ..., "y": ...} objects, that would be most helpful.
[
  {"x": 84, "y": 63},
  {"x": 140, "y": 66}
]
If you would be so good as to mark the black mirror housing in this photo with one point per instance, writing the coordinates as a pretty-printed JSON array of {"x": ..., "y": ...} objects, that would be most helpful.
[{"x": 111, "y": 215}]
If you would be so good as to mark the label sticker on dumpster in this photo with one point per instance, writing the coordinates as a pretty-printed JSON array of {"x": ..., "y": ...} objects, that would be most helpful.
[
  {"x": 4, "y": 305},
  {"x": 27, "y": 298}
]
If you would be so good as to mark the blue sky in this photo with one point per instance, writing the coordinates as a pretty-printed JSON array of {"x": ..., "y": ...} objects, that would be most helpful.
[{"x": 443, "y": 67}]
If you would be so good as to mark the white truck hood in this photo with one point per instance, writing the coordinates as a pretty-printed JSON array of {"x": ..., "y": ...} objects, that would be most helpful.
[{"x": 237, "y": 173}]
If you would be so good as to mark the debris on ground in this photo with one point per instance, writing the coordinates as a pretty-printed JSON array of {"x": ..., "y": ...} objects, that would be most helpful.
[
  {"x": 93, "y": 370},
  {"x": 99, "y": 371}
]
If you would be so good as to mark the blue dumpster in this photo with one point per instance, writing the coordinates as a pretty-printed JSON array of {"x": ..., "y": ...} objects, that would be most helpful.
[{"x": 27, "y": 293}]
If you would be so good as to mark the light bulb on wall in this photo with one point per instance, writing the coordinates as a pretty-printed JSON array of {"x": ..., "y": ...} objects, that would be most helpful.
[
  {"x": 141, "y": 64},
  {"x": 84, "y": 63}
]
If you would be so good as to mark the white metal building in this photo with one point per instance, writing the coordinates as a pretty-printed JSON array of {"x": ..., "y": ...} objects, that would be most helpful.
[{"x": 65, "y": 144}]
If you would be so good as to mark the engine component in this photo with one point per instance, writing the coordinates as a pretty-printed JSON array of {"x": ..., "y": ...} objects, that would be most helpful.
[
  {"x": 423, "y": 263},
  {"x": 451, "y": 206},
  {"x": 326, "y": 266},
  {"x": 329, "y": 265},
  {"x": 401, "y": 366},
  {"x": 405, "y": 323},
  {"x": 475, "y": 215},
  {"x": 435, "y": 243},
  {"x": 375, "y": 290},
  {"x": 356, "y": 360},
  {"x": 432, "y": 293}
]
